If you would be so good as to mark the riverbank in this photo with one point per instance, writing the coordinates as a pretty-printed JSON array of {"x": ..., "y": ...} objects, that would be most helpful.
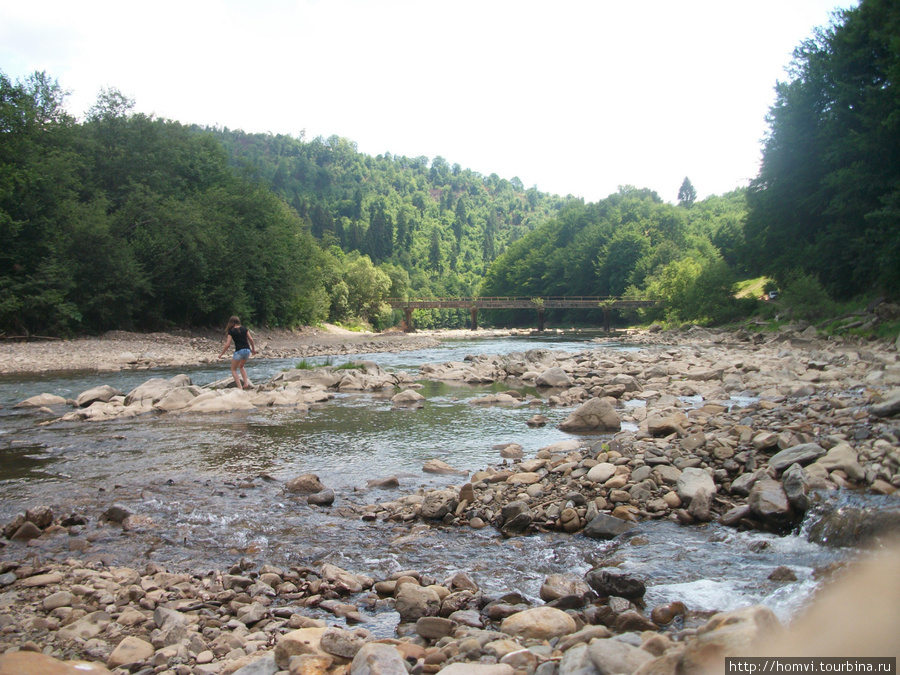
[{"x": 121, "y": 350}]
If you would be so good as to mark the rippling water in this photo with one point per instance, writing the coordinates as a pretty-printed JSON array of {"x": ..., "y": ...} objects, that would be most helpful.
[{"x": 212, "y": 486}]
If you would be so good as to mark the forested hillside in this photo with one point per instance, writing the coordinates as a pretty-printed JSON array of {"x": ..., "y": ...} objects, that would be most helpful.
[
  {"x": 632, "y": 243},
  {"x": 124, "y": 220},
  {"x": 825, "y": 208}
]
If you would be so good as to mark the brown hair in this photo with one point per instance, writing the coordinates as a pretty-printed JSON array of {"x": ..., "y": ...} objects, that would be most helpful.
[{"x": 232, "y": 322}]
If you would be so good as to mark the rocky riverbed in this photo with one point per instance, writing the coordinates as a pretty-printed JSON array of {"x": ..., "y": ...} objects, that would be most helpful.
[{"x": 747, "y": 429}]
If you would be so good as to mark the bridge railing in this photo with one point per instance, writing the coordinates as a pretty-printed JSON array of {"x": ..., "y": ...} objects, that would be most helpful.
[{"x": 513, "y": 302}]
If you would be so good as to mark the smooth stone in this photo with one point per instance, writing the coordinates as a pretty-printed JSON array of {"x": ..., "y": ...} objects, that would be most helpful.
[{"x": 540, "y": 623}]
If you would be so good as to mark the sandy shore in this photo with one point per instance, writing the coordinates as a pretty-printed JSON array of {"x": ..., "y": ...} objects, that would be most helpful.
[{"x": 119, "y": 350}]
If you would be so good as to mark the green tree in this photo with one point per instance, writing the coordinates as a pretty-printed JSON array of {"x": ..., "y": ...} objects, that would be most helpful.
[
  {"x": 825, "y": 198},
  {"x": 687, "y": 195}
]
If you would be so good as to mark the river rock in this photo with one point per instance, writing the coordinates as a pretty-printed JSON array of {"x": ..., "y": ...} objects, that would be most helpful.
[
  {"x": 297, "y": 642},
  {"x": 539, "y": 623},
  {"x": 605, "y": 526},
  {"x": 386, "y": 483},
  {"x": 726, "y": 634},
  {"x": 558, "y": 586},
  {"x": 478, "y": 669},
  {"x": 378, "y": 659},
  {"x": 538, "y": 421},
  {"x": 412, "y": 602},
  {"x": 890, "y": 407},
  {"x": 177, "y": 399},
  {"x": 152, "y": 391},
  {"x": 218, "y": 401},
  {"x": 512, "y": 451},
  {"x": 613, "y": 656},
  {"x": 86, "y": 628},
  {"x": 102, "y": 393},
  {"x": 340, "y": 642},
  {"x": 441, "y": 467},
  {"x": 795, "y": 484},
  {"x": 769, "y": 502},
  {"x": 595, "y": 414},
  {"x": 691, "y": 480},
  {"x": 438, "y": 503},
  {"x": 607, "y": 583},
  {"x": 554, "y": 377},
  {"x": 408, "y": 397},
  {"x": 41, "y": 400},
  {"x": 799, "y": 454},
  {"x": 602, "y": 472},
  {"x": 700, "y": 507},
  {"x": 663, "y": 425},
  {"x": 435, "y": 627},
  {"x": 308, "y": 483},
  {"x": 35, "y": 663},
  {"x": 131, "y": 650},
  {"x": 342, "y": 579},
  {"x": 844, "y": 458},
  {"x": 324, "y": 498},
  {"x": 855, "y": 526}
]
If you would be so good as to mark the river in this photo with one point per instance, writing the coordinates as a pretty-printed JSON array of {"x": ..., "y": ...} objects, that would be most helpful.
[{"x": 212, "y": 486}]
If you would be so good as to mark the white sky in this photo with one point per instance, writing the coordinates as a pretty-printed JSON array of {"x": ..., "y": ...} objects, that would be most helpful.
[{"x": 575, "y": 97}]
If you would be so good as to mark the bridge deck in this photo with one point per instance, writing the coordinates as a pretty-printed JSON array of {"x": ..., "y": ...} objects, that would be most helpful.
[{"x": 509, "y": 302}]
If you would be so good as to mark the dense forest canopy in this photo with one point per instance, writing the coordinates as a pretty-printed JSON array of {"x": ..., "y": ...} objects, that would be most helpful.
[
  {"x": 826, "y": 203},
  {"x": 124, "y": 220}
]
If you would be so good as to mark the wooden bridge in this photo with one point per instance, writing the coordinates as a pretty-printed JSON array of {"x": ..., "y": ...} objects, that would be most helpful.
[{"x": 540, "y": 304}]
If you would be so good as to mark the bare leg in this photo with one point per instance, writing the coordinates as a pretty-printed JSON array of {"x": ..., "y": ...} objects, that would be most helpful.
[
  {"x": 246, "y": 377},
  {"x": 234, "y": 372}
]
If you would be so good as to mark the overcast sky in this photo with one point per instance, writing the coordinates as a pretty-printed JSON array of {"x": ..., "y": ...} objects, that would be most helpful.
[{"x": 575, "y": 97}]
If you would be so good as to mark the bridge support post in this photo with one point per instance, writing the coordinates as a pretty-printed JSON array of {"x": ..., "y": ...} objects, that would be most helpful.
[
  {"x": 540, "y": 320},
  {"x": 606, "y": 319},
  {"x": 474, "y": 311},
  {"x": 407, "y": 311}
]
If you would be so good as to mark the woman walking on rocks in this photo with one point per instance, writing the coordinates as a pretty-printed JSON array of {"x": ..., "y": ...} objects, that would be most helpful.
[{"x": 244, "y": 346}]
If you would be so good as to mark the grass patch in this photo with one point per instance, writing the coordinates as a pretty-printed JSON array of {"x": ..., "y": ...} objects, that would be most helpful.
[
  {"x": 751, "y": 288},
  {"x": 307, "y": 365}
]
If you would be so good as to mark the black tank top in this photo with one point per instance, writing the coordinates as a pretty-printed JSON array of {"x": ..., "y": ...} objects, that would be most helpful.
[{"x": 239, "y": 335}]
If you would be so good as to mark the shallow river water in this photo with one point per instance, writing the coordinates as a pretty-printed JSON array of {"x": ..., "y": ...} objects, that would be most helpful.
[{"x": 212, "y": 485}]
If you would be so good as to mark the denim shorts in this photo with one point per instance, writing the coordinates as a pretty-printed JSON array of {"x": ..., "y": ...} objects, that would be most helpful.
[{"x": 241, "y": 355}]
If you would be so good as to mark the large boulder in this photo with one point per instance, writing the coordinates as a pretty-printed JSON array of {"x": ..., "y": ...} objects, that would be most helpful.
[
  {"x": 217, "y": 401},
  {"x": 102, "y": 393},
  {"x": 41, "y": 401},
  {"x": 153, "y": 390},
  {"x": 554, "y": 377},
  {"x": 593, "y": 415}
]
